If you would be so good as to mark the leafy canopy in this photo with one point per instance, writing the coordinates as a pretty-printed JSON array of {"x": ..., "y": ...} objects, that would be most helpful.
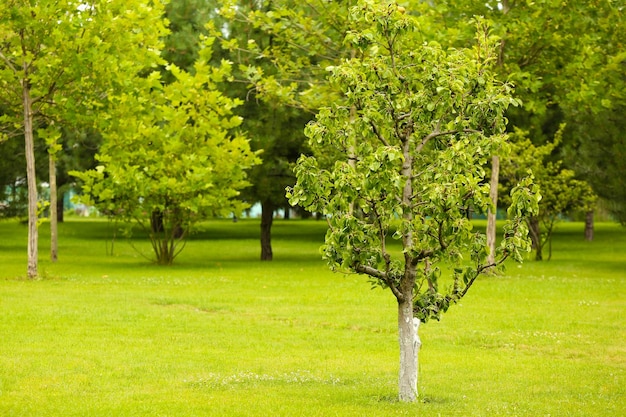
[
  {"x": 418, "y": 125},
  {"x": 174, "y": 150}
]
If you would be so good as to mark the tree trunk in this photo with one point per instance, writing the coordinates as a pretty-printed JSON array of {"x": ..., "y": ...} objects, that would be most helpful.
[
  {"x": 178, "y": 231},
  {"x": 589, "y": 226},
  {"x": 409, "y": 345},
  {"x": 29, "y": 142},
  {"x": 267, "y": 218},
  {"x": 54, "y": 243},
  {"x": 60, "y": 207},
  {"x": 407, "y": 325},
  {"x": 534, "y": 230},
  {"x": 156, "y": 221},
  {"x": 491, "y": 214}
]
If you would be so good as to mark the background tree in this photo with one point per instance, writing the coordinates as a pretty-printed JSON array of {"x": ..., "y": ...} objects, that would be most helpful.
[
  {"x": 57, "y": 60},
  {"x": 420, "y": 123},
  {"x": 187, "y": 21},
  {"x": 171, "y": 155},
  {"x": 13, "y": 192},
  {"x": 566, "y": 59},
  {"x": 598, "y": 151},
  {"x": 79, "y": 146},
  {"x": 279, "y": 47},
  {"x": 284, "y": 46},
  {"x": 563, "y": 58},
  {"x": 276, "y": 132},
  {"x": 562, "y": 193}
]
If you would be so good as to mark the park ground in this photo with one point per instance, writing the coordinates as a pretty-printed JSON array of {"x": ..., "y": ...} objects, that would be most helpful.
[{"x": 104, "y": 332}]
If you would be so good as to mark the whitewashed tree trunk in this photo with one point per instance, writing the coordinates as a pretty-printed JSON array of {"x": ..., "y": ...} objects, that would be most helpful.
[
  {"x": 31, "y": 177},
  {"x": 491, "y": 215},
  {"x": 409, "y": 346},
  {"x": 407, "y": 331}
]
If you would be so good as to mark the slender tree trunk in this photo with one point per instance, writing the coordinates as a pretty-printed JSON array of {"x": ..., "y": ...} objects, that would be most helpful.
[
  {"x": 178, "y": 231},
  {"x": 60, "y": 206},
  {"x": 534, "y": 230},
  {"x": 54, "y": 243},
  {"x": 409, "y": 346},
  {"x": 156, "y": 222},
  {"x": 407, "y": 326},
  {"x": 495, "y": 170},
  {"x": 267, "y": 218},
  {"x": 589, "y": 226},
  {"x": 550, "y": 246},
  {"x": 29, "y": 142},
  {"x": 491, "y": 215}
]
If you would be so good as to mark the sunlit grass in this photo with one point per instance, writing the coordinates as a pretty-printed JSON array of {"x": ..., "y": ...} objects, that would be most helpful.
[{"x": 223, "y": 334}]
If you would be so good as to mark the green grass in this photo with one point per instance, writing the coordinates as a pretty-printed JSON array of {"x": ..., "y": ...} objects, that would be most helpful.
[{"x": 222, "y": 334}]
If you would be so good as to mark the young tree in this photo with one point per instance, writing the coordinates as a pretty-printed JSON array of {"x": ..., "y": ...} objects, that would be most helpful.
[
  {"x": 59, "y": 58},
  {"x": 599, "y": 152},
  {"x": 277, "y": 132},
  {"x": 171, "y": 155},
  {"x": 566, "y": 60},
  {"x": 562, "y": 193},
  {"x": 278, "y": 47},
  {"x": 419, "y": 123}
]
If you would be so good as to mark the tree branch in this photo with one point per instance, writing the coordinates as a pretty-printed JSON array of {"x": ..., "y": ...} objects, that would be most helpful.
[
  {"x": 438, "y": 133},
  {"x": 479, "y": 270},
  {"x": 378, "y": 274},
  {"x": 442, "y": 244},
  {"x": 8, "y": 62},
  {"x": 378, "y": 135},
  {"x": 51, "y": 89},
  {"x": 424, "y": 254}
]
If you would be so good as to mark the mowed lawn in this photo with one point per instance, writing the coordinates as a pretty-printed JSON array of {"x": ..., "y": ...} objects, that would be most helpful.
[{"x": 223, "y": 334}]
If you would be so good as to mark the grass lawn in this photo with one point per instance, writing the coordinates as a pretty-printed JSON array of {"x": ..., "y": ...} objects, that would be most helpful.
[{"x": 223, "y": 334}]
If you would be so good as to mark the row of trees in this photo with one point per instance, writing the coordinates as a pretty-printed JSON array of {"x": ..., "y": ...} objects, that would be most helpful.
[
  {"x": 413, "y": 102},
  {"x": 565, "y": 59},
  {"x": 59, "y": 62},
  {"x": 279, "y": 51}
]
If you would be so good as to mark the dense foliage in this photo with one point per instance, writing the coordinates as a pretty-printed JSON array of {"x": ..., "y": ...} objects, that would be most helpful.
[
  {"x": 172, "y": 155},
  {"x": 58, "y": 60},
  {"x": 418, "y": 125}
]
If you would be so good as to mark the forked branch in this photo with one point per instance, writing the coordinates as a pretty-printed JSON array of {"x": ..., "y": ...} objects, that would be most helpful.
[
  {"x": 382, "y": 276},
  {"x": 438, "y": 133}
]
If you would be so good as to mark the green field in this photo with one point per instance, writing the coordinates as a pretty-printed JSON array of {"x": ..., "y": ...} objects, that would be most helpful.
[{"x": 222, "y": 334}]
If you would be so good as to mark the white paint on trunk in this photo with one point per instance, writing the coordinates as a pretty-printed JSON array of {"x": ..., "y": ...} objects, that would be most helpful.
[{"x": 409, "y": 345}]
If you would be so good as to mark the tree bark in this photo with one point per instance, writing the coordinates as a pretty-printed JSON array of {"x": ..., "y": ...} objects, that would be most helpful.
[
  {"x": 535, "y": 236},
  {"x": 407, "y": 327},
  {"x": 589, "y": 226},
  {"x": 156, "y": 221},
  {"x": 54, "y": 243},
  {"x": 60, "y": 206},
  {"x": 491, "y": 214},
  {"x": 29, "y": 143},
  {"x": 409, "y": 346},
  {"x": 267, "y": 218}
]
